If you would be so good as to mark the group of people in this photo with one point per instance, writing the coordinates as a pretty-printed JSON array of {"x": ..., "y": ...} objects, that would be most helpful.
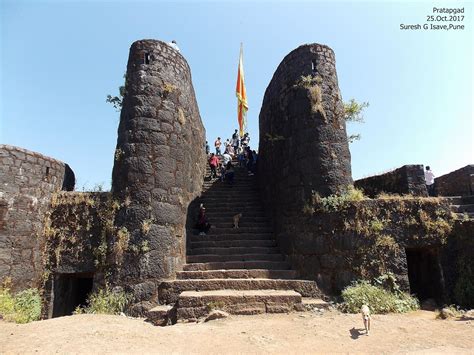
[{"x": 234, "y": 148}]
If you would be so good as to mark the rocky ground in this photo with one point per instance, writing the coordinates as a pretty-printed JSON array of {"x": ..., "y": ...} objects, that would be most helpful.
[{"x": 331, "y": 332}]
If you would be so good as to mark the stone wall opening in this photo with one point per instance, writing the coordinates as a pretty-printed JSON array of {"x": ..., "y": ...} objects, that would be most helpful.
[
  {"x": 425, "y": 274},
  {"x": 71, "y": 291}
]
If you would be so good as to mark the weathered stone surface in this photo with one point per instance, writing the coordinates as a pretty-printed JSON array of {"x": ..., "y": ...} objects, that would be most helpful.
[
  {"x": 303, "y": 141},
  {"x": 169, "y": 291},
  {"x": 446, "y": 313},
  {"x": 193, "y": 305},
  {"x": 141, "y": 309},
  {"x": 160, "y": 158},
  {"x": 161, "y": 315},
  {"x": 457, "y": 183},
  {"x": 409, "y": 179},
  {"x": 216, "y": 314},
  {"x": 27, "y": 181}
]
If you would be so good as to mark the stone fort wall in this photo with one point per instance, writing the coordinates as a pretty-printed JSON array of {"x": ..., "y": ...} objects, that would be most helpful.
[
  {"x": 406, "y": 180},
  {"x": 27, "y": 181},
  {"x": 457, "y": 183}
]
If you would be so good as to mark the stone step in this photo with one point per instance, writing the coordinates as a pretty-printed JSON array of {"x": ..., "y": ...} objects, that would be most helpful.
[
  {"x": 247, "y": 218},
  {"x": 169, "y": 291},
  {"x": 229, "y": 225},
  {"x": 253, "y": 264},
  {"x": 238, "y": 274},
  {"x": 468, "y": 200},
  {"x": 242, "y": 230},
  {"x": 463, "y": 215},
  {"x": 246, "y": 214},
  {"x": 454, "y": 200},
  {"x": 232, "y": 243},
  {"x": 234, "y": 251},
  {"x": 231, "y": 201},
  {"x": 210, "y": 258},
  {"x": 462, "y": 208},
  {"x": 245, "y": 203},
  {"x": 232, "y": 236},
  {"x": 233, "y": 207},
  {"x": 238, "y": 183},
  {"x": 193, "y": 305}
]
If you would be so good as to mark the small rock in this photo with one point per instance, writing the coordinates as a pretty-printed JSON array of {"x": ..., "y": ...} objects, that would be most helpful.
[
  {"x": 216, "y": 314},
  {"x": 446, "y": 313}
]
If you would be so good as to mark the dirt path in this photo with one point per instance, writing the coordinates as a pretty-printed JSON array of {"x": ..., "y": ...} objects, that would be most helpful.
[{"x": 417, "y": 333}]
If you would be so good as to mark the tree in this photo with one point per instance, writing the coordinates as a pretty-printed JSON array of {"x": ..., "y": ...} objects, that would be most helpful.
[
  {"x": 117, "y": 101},
  {"x": 353, "y": 112}
]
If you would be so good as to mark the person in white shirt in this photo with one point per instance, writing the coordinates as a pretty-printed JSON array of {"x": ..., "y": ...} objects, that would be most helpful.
[
  {"x": 227, "y": 158},
  {"x": 174, "y": 45},
  {"x": 429, "y": 178}
]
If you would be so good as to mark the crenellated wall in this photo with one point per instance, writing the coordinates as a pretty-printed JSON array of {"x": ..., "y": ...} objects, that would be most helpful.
[
  {"x": 27, "y": 180},
  {"x": 159, "y": 161}
]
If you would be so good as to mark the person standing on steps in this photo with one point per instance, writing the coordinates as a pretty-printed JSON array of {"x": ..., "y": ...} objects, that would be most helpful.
[
  {"x": 429, "y": 179},
  {"x": 229, "y": 173},
  {"x": 245, "y": 141},
  {"x": 218, "y": 144},
  {"x": 227, "y": 158},
  {"x": 213, "y": 164},
  {"x": 202, "y": 224},
  {"x": 208, "y": 149},
  {"x": 235, "y": 141}
]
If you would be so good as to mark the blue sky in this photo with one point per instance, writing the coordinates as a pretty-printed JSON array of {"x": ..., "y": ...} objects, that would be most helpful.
[{"x": 59, "y": 60}]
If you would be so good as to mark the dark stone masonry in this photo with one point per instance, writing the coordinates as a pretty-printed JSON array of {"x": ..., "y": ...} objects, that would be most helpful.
[
  {"x": 304, "y": 230},
  {"x": 303, "y": 141},
  {"x": 457, "y": 183},
  {"x": 407, "y": 180},
  {"x": 28, "y": 180},
  {"x": 159, "y": 159}
]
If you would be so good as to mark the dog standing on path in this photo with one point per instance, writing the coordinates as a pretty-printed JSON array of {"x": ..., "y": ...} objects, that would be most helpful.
[{"x": 365, "y": 311}]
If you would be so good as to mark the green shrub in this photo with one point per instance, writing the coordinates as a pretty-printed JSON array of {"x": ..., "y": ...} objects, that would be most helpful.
[
  {"x": 105, "y": 301},
  {"x": 377, "y": 298},
  {"x": 23, "y": 307},
  {"x": 334, "y": 203}
]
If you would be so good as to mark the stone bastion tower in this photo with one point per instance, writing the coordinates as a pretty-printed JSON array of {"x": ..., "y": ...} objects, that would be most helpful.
[
  {"x": 159, "y": 161},
  {"x": 303, "y": 141}
]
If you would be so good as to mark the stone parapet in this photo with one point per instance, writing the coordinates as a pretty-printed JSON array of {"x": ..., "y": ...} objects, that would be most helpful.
[
  {"x": 27, "y": 180},
  {"x": 407, "y": 180}
]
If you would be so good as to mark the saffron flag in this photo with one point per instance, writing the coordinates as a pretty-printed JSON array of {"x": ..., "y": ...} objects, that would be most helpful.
[{"x": 242, "y": 106}]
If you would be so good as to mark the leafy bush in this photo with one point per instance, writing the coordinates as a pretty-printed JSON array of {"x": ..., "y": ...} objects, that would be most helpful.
[
  {"x": 23, "y": 307},
  {"x": 377, "y": 298},
  {"x": 105, "y": 301}
]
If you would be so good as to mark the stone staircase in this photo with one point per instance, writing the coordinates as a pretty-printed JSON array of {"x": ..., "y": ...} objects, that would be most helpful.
[
  {"x": 240, "y": 271},
  {"x": 462, "y": 206}
]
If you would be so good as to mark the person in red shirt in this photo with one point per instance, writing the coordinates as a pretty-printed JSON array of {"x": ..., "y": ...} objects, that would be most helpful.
[{"x": 213, "y": 164}]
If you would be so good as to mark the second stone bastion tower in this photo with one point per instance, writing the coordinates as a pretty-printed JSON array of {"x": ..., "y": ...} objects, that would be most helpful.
[{"x": 303, "y": 141}]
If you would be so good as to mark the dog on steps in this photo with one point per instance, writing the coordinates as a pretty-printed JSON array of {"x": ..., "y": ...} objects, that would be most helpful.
[{"x": 236, "y": 220}]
